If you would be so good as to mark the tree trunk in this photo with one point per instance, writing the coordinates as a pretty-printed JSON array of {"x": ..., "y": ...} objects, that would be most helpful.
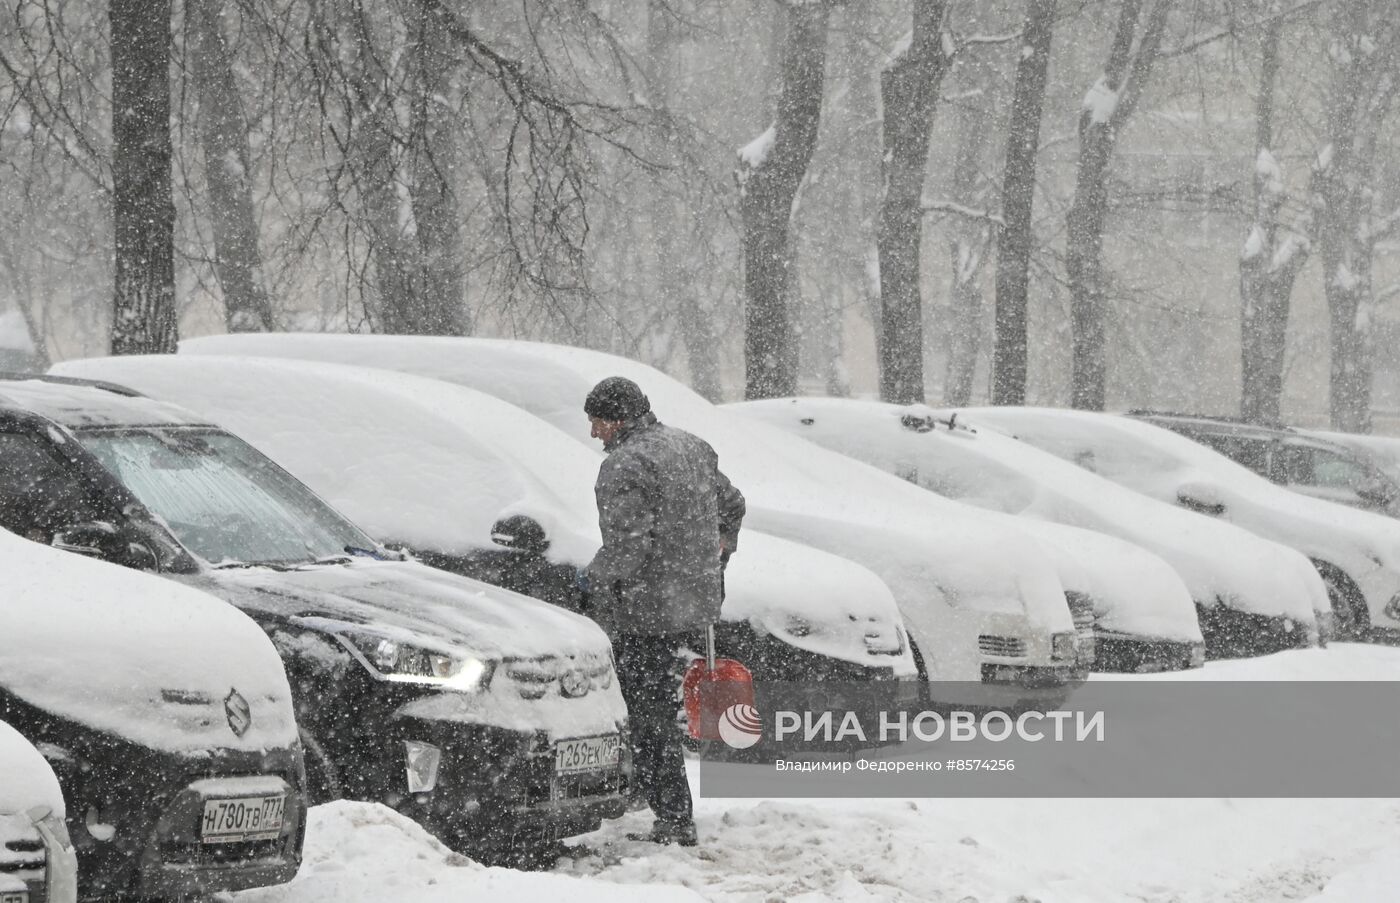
[
  {"x": 909, "y": 96},
  {"x": 770, "y": 172},
  {"x": 1106, "y": 109},
  {"x": 1269, "y": 262},
  {"x": 676, "y": 281},
  {"x": 1362, "y": 93},
  {"x": 223, "y": 133},
  {"x": 1017, "y": 238},
  {"x": 439, "y": 307},
  {"x": 967, "y": 250},
  {"x": 144, "y": 319}
]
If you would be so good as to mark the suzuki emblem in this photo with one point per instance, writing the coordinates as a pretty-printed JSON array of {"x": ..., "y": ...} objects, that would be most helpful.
[{"x": 240, "y": 716}]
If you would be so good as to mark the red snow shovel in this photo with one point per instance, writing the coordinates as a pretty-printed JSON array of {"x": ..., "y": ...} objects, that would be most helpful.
[{"x": 712, "y": 687}]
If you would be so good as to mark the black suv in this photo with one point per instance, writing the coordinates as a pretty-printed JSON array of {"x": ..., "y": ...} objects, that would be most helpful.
[
  {"x": 1282, "y": 455},
  {"x": 492, "y": 718}
]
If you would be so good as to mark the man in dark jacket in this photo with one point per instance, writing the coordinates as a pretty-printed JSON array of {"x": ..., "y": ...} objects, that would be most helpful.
[{"x": 669, "y": 519}]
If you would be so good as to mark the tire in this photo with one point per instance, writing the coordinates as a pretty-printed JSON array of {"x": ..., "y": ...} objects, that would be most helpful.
[{"x": 1351, "y": 619}]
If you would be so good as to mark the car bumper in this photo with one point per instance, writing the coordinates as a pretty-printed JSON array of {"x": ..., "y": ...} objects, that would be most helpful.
[
  {"x": 1126, "y": 653},
  {"x": 496, "y": 787},
  {"x": 1231, "y": 633},
  {"x": 137, "y": 831}
]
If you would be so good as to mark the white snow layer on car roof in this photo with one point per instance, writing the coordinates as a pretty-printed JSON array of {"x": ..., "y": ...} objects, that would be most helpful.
[
  {"x": 1133, "y": 590},
  {"x": 1157, "y": 461},
  {"x": 925, "y": 548},
  {"x": 1213, "y": 558},
  {"x": 26, "y": 780},
  {"x": 135, "y": 655},
  {"x": 434, "y": 465}
]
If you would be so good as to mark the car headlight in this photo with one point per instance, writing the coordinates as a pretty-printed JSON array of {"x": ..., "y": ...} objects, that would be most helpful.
[
  {"x": 394, "y": 660},
  {"x": 1062, "y": 646}
]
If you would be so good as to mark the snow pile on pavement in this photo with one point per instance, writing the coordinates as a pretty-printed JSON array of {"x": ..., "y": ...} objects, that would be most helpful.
[{"x": 364, "y": 852}]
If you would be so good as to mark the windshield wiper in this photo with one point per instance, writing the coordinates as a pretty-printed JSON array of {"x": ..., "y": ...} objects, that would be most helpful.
[{"x": 232, "y": 563}]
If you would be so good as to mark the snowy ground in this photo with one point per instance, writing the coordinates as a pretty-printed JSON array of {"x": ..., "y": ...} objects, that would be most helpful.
[{"x": 961, "y": 851}]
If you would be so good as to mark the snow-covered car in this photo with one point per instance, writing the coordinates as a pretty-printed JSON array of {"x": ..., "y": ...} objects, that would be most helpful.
[
  {"x": 1144, "y": 616},
  {"x": 1312, "y": 464},
  {"x": 982, "y": 601},
  {"x": 37, "y": 863},
  {"x": 437, "y": 468},
  {"x": 165, "y": 714},
  {"x": 492, "y": 717},
  {"x": 1382, "y": 451},
  {"x": 1356, "y": 553}
]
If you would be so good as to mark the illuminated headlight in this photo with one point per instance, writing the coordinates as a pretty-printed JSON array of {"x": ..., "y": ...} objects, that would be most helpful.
[
  {"x": 1063, "y": 646},
  {"x": 393, "y": 660},
  {"x": 883, "y": 643}
]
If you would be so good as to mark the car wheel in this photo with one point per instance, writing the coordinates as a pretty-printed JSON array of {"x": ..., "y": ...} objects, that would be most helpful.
[{"x": 1351, "y": 620}]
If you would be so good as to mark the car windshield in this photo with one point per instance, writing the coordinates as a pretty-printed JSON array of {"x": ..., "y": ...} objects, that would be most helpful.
[{"x": 224, "y": 500}]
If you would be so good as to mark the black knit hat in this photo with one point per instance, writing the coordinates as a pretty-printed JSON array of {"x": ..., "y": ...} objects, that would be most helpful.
[{"x": 616, "y": 398}]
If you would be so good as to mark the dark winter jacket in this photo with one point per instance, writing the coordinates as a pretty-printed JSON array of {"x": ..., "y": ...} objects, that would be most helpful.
[{"x": 663, "y": 508}]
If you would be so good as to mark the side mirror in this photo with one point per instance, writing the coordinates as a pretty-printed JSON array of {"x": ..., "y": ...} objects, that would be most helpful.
[
  {"x": 96, "y": 539},
  {"x": 100, "y": 539},
  {"x": 1201, "y": 498},
  {"x": 520, "y": 532}
]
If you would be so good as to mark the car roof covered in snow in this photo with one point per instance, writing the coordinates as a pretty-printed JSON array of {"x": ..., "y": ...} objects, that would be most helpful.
[{"x": 87, "y": 404}]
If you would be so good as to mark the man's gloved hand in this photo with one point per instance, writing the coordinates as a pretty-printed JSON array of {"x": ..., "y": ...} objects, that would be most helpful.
[{"x": 581, "y": 580}]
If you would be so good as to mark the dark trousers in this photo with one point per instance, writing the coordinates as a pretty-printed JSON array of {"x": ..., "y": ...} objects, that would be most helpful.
[{"x": 649, "y": 675}]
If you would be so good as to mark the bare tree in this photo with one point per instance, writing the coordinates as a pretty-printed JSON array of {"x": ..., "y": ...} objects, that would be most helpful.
[
  {"x": 677, "y": 281},
  {"x": 144, "y": 318},
  {"x": 1272, "y": 256},
  {"x": 1106, "y": 109},
  {"x": 909, "y": 89},
  {"x": 1017, "y": 238},
  {"x": 969, "y": 243},
  {"x": 771, "y": 170},
  {"x": 1366, "y": 58},
  {"x": 223, "y": 131}
]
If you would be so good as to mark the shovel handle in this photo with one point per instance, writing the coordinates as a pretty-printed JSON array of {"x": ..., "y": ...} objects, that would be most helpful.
[{"x": 710, "y": 646}]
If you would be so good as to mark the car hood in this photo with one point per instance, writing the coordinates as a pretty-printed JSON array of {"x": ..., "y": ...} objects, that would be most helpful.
[
  {"x": 412, "y": 603},
  {"x": 130, "y": 654}
]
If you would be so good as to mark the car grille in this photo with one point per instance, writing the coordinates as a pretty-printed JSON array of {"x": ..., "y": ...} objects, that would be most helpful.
[
  {"x": 1005, "y": 646},
  {"x": 23, "y": 858},
  {"x": 566, "y": 675}
]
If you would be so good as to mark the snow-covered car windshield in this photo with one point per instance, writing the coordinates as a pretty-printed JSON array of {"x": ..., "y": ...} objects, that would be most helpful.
[{"x": 224, "y": 500}]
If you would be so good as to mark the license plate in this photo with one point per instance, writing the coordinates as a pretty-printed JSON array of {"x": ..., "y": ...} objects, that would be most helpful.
[
  {"x": 586, "y": 754},
  {"x": 242, "y": 819},
  {"x": 14, "y": 896}
]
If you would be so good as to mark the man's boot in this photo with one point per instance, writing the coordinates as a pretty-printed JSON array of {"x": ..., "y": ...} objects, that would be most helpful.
[{"x": 682, "y": 835}]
